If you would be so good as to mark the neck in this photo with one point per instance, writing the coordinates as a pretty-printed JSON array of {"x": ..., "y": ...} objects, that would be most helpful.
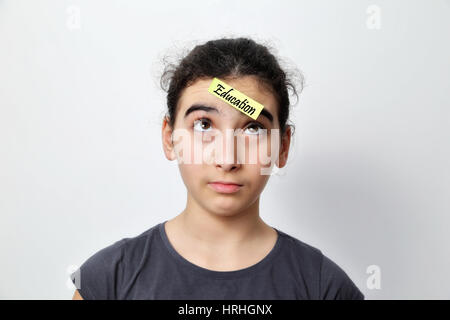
[{"x": 221, "y": 230}]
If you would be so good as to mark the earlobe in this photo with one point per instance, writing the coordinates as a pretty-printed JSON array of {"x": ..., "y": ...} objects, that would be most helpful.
[{"x": 281, "y": 161}]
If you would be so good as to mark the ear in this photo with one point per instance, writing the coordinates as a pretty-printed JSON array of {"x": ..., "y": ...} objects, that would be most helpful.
[
  {"x": 166, "y": 134},
  {"x": 284, "y": 149}
]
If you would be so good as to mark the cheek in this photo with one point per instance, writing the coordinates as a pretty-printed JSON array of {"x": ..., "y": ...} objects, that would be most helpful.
[
  {"x": 261, "y": 150},
  {"x": 256, "y": 180},
  {"x": 194, "y": 147},
  {"x": 191, "y": 174},
  {"x": 187, "y": 147}
]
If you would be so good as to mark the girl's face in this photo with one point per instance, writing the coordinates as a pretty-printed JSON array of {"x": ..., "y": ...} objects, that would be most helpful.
[{"x": 204, "y": 123}]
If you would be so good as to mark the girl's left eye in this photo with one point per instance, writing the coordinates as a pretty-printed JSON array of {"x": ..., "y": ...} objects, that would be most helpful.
[{"x": 255, "y": 128}]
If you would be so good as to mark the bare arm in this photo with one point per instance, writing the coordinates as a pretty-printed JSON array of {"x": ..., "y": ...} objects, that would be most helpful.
[{"x": 77, "y": 296}]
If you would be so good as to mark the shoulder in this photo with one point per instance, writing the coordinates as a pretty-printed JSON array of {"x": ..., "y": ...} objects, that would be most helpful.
[
  {"x": 335, "y": 284},
  {"x": 304, "y": 255},
  {"x": 102, "y": 274},
  {"x": 332, "y": 281}
]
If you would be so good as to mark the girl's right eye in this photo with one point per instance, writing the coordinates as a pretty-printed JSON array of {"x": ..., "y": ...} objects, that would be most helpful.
[{"x": 202, "y": 125}]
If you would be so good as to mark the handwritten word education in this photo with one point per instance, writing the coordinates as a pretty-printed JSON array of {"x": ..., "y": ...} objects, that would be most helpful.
[{"x": 235, "y": 98}]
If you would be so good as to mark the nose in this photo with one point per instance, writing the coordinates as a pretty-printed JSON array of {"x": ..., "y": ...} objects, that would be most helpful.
[
  {"x": 229, "y": 160},
  {"x": 228, "y": 167}
]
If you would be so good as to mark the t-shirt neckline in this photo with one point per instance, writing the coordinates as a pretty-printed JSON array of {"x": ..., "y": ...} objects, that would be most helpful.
[{"x": 222, "y": 274}]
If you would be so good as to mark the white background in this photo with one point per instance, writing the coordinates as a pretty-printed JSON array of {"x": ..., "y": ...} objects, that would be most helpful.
[{"x": 82, "y": 166}]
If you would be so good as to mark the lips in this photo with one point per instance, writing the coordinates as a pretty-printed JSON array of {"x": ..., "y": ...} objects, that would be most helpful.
[{"x": 225, "y": 187}]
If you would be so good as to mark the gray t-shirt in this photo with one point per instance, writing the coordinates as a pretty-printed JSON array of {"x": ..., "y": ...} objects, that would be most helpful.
[{"x": 147, "y": 267}]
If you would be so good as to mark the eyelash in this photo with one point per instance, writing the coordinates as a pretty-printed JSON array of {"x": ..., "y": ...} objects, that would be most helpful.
[{"x": 257, "y": 124}]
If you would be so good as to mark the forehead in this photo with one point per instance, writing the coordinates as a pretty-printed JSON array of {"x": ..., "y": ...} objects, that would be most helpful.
[{"x": 248, "y": 85}]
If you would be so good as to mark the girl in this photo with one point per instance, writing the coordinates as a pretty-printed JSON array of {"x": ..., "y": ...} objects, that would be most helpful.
[{"x": 218, "y": 247}]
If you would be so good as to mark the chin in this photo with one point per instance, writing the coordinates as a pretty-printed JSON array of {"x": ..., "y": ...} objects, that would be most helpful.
[
  {"x": 225, "y": 213},
  {"x": 226, "y": 207}
]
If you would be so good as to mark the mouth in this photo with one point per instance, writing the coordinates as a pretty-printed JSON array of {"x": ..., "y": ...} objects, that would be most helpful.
[{"x": 224, "y": 186}]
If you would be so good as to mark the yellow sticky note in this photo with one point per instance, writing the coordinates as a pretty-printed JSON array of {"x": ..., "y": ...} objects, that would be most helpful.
[{"x": 235, "y": 98}]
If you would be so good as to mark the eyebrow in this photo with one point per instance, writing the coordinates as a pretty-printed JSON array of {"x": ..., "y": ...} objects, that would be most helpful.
[
  {"x": 206, "y": 108},
  {"x": 196, "y": 107}
]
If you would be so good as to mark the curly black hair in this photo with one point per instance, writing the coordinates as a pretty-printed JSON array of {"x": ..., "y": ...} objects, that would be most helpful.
[{"x": 225, "y": 58}]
